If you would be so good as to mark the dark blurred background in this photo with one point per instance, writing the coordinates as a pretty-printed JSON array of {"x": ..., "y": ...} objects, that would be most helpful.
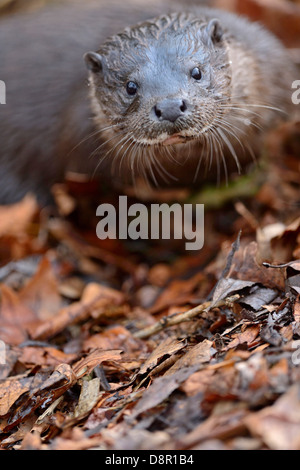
[{"x": 280, "y": 16}]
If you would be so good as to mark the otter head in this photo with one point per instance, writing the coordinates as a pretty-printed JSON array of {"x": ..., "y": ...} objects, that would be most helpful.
[{"x": 161, "y": 82}]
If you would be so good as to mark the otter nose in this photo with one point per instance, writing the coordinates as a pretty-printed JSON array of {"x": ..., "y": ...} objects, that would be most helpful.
[{"x": 170, "y": 109}]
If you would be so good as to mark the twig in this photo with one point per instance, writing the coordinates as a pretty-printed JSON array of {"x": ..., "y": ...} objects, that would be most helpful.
[{"x": 172, "y": 320}]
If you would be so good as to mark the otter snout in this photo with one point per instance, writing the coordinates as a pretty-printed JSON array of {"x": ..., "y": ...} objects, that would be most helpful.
[{"x": 170, "y": 109}]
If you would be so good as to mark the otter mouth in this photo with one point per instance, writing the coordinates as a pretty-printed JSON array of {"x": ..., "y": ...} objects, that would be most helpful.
[
  {"x": 178, "y": 138},
  {"x": 166, "y": 140},
  {"x": 175, "y": 139}
]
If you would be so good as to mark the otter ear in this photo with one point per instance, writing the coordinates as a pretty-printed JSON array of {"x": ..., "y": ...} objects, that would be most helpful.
[
  {"x": 93, "y": 61},
  {"x": 214, "y": 31}
]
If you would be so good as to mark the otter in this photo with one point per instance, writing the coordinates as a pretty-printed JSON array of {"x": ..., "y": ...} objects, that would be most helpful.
[{"x": 189, "y": 89}]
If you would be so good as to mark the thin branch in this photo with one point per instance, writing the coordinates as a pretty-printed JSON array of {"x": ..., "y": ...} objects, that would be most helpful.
[{"x": 172, "y": 320}]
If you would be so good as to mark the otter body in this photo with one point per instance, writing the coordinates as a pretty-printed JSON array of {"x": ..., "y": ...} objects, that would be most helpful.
[{"x": 165, "y": 96}]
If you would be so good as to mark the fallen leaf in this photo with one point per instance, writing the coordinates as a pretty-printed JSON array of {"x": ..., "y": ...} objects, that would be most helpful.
[
  {"x": 94, "y": 302},
  {"x": 195, "y": 357},
  {"x": 246, "y": 337},
  {"x": 258, "y": 297},
  {"x": 245, "y": 266},
  {"x": 21, "y": 213},
  {"x": 14, "y": 316},
  {"x": 278, "y": 425},
  {"x": 116, "y": 337},
  {"x": 160, "y": 389},
  {"x": 87, "y": 364},
  {"x": 89, "y": 395},
  {"x": 167, "y": 348},
  {"x": 41, "y": 293},
  {"x": 217, "y": 426},
  {"x": 11, "y": 390},
  {"x": 177, "y": 292},
  {"x": 42, "y": 391},
  {"x": 44, "y": 356}
]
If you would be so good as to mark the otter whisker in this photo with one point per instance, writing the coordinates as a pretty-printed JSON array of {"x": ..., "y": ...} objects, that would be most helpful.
[
  {"x": 272, "y": 108},
  {"x": 121, "y": 161},
  {"x": 239, "y": 108},
  {"x": 103, "y": 157},
  {"x": 109, "y": 152},
  {"x": 203, "y": 142},
  {"x": 151, "y": 163},
  {"x": 230, "y": 125},
  {"x": 230, "y": 147},
  {"x": 243, "y": 98},
  {"x": 163, "y": 173},
  {"x": 139, "y": 157},
  {"x": 248, "y": 105},
  {"x": 220, "y": 154},
  {"x": 113, "y": 148},
  {"x": 222, "y": 125},
  {"x": 258, "y": 126},
  {"x": 146, "y": 162},
  {"x": 172, "y": 158},
  {"x": 213, "y": 152},
  {"x": 92, "y": 134},
  {"x": 250, "y": 149},
  {"x": 97, "y": 149},
  {"x": 130, "y": 156}
]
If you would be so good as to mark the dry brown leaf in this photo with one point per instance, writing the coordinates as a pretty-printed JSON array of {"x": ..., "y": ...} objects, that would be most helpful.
[
  {"x": 87, "y": 364},
  {"x": 177, "y": 292},
  {"x": 116, "y": 337},
  {"x": 278, "y": 425},
  {"x": 167, "y": 348},
  {"x": 95, "y": 300},
  {"x": 21, "y": 213},
  {"x": 218, "y": 426},
  {"x": 246, "y": 337},
  {"x": 42, "y": 390},
  {"x": 160, "y": 389},
  {"x": 44, "y": 356},
  {"x": 89, "y": 396},
  {"x": 195, "y": 357},
  {"x": 101, "y": 297},
  {"x": 11, "y": 390},
  {"x": 197, "y": 382},
  {"x": 75, "y": 440},
  {"x": 246, "y": 267},
  {"x": 14, "y": 317},
  {"x": 41, "y": 294}
]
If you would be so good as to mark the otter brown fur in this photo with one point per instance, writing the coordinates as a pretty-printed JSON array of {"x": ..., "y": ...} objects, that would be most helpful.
[{"x": 207, "y": 84}]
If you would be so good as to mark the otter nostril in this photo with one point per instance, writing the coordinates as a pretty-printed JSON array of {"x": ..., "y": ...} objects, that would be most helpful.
[
  {"x": 183, "y": 107},
  {"x": 170, "y": 109},
  {"x": 157, "y": 112}
]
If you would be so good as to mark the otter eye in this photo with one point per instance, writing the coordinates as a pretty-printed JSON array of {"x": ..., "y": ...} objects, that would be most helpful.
[
  {"x": 131, "y": 88},
  {"x": 196, "y": 73}
]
